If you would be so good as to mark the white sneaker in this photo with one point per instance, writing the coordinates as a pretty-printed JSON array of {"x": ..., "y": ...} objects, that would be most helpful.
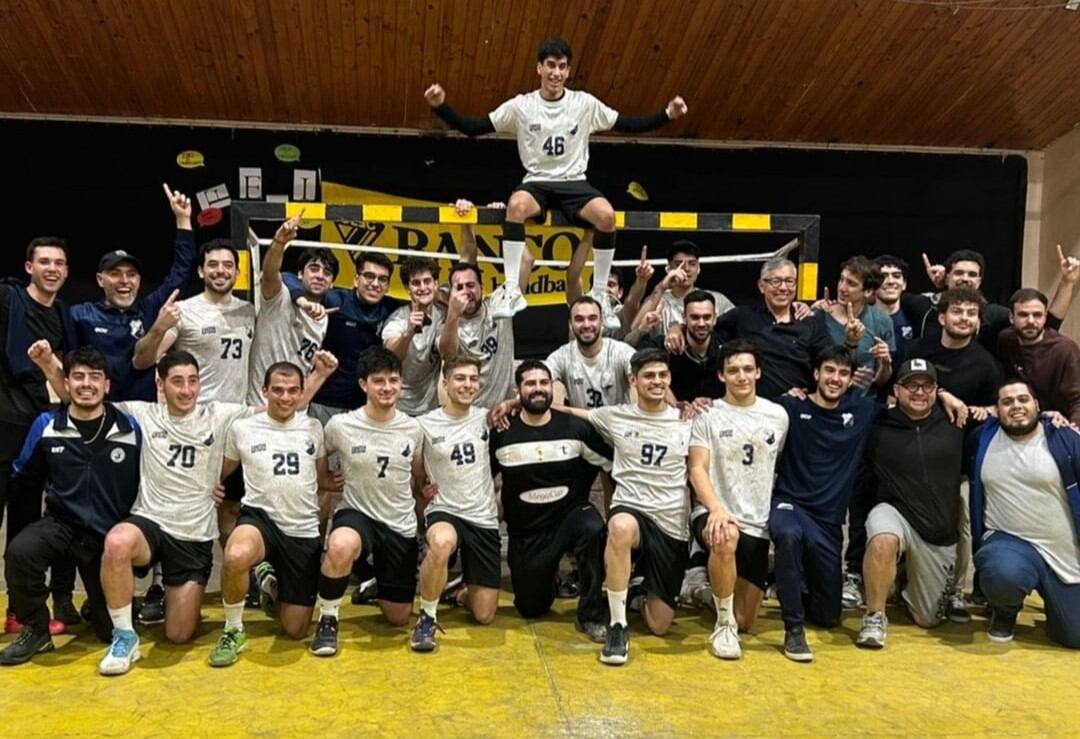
[
  {"x": 695, "y": 579},
  {"x": 875, "y": 626},
  {"x": 609, "y": 314},
  {"x": 123, "y": 653},
  {"x": 851, "y": 596},
  {"x": 506, "y": 301},
  {"x": 724, "y": 642}
]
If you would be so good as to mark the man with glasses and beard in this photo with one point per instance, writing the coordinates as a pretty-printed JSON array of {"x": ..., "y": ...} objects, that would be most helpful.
[
  {"x": 1025, "y": 515},
  {"x": 548, "y": 460}
]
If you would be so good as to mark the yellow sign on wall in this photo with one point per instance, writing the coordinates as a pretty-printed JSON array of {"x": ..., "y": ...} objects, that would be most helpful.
[{"x": 547, "y": 285}]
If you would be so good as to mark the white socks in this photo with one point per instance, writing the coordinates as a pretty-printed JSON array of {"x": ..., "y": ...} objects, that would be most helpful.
[
  {"x": 617, "y": 603},
  {"x": 121, "y": 618},
  {"x": 430, "y": 607},
  {"x": 724, "y": 606},
  {"x": 512, "y": 251},
  {"x": 234, "y": 614},
  {"x": 602, "y": 259}
]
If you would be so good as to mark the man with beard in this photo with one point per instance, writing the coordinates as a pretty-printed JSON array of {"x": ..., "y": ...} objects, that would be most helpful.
[
  {"x": 918, "y": 511},
  {"x": 473, "y": 330},
  {"x": 695, "y": 371},
  {"x": 619, "y": 305},
  {"x": 1025, "y": 516},
  {"x": 412, "y": 334},
  {"x": 288, "y": 330},
  {"x": 1050, "y": 361},
  {"x": 827, "y": 433},
  {"x": 548, "y": 461},
  {"x": 594, "y": 369},
  {"x": 86, "y": 457}
]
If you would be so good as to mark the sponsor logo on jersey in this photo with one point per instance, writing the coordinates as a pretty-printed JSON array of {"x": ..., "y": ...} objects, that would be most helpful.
[
  {"x": 726, "y": 434},
  {"x": 359, "y": 449},
  {"x": 541, "y": 496},
  {"x": 100, "y": 330},
  {"x": 208, "y": 330},
  {"x": 256, "y": 448},
  {"x": 159, "y": 435},
  {"x": 847, "y": 419},
  {"x": 56, "y": 449},
  {"x": 438, "y": 440},
  {"x": 117, "y": 455},
  {"x": 534, "y": 127},
  {"x": 805, "y": 416}
]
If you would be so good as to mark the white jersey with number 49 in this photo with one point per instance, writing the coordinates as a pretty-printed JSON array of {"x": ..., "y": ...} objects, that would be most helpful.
[
  {"x": 219, "y": 336},
  {"x": 180, "y": 463},
  {"x": 553, "y": 135},
  {"x": 456, "y": 460}
]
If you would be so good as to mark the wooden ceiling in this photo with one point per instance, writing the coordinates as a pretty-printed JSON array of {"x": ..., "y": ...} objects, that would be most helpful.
[{"x": 969, "y": 73}]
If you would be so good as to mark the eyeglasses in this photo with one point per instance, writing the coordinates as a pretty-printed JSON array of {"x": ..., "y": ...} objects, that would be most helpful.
[
  {"x": 778, "y": 281},
  {"x": 372, "y": 277},
  {"x": 914, "y": 387}
]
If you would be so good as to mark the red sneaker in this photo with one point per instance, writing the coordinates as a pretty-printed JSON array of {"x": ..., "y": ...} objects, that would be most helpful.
[
  {"x": 57, "y": 627},
  {"x": 12, "y": 626}
]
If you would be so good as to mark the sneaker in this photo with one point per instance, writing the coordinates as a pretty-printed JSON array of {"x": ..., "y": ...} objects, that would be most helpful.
[
  {"x": 423, "y": 634},
  {"x": 1001, "y": 628},
  {"x": 152, "y": 610},
  {"x": 616, "y": 646},
  {"x": 568, "y": 585},
  {"x": 454, "y": 593},
  {"x": 506, "y": 301},
  {"x": 724, "y": 642},
  {"x": 253, "y": 598},
  {"x": 795, "y": 646},
  {"x": 875, "y": 626},
  {"x": 29, "y": 642},
  {"x": 268, "y": 588},
  {"x": 365, "y": 593},
  {"x": 84, "y": 611},
  {"x": 12, "y": 625},
  {"x": 695, "y": 579},
  {"x": 122, "y": 654},
  {"x": 325, "y": 643},
  {"x": 609, "y": 315},
  {"x": 228, "y": 648},
  {"x": 66, "y": 612},
  {"x": 956, "y": 610},
  {"x": 595, "y": 630},
  {"x": 635, "y": 594},
  {"x": 851, "y": 596}
]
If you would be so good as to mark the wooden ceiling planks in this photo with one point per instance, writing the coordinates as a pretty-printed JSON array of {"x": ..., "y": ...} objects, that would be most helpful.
[{"x": 862, "y": 71}]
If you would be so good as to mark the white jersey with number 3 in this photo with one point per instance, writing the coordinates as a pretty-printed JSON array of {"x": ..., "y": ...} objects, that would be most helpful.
[
  {"x": 456, "y": 460},
  {"x": 553, "y": 135},
  {"x": 744, "y": 444},
  {"x": 650, "y": 463},
  {"x": 219, "y": 336}
]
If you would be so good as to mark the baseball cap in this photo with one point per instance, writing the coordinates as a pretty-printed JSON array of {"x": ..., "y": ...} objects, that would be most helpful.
[
  {"x": 914, "y": 367},
  {"x": 114, "y": 258}
]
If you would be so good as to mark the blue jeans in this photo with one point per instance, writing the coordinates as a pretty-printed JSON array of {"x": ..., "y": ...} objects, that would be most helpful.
[
  {"x": 1009, "y": 568},
  {"x": 808, "y": 567}
]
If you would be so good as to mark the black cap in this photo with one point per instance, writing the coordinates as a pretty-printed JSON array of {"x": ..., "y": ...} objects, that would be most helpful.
[
  {"x": 114, "y": 258},
  {"x": 914, "y": 367}
]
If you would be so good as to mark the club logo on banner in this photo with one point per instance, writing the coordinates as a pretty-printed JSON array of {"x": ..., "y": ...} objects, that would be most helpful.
[{"x": 547, "y": 285}]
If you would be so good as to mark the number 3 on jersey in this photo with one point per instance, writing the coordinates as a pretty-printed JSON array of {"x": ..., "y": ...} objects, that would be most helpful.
[{"x": 554, "y": 146}]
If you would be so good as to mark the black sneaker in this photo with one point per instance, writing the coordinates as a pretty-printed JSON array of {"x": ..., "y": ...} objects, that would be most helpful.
[
  {"x": 152, "y": 610},
  {"x": 795, "y": 646},
  {"x": 592, "y": 629},
  {"x": 616, "y": 645},
  {"x": 1001, "y": 627},
  {"x": 956, "y": 610},
  {"x": 635, "y": 594},
  {"x": 84, "y": 611},
  {"x": 568, "y": 585},
  {"x": 30, "y": 641},
  {"x": 254, "y": 596},
  {"x": 325, "y": 643},
  {"x": 423, "y": 634},
  {"x": 65, "y": 611},
  {"x": 364, "y": 593}
]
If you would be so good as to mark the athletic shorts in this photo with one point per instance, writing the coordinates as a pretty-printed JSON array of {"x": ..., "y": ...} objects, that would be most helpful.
[
  {"x": 930, "y": 568},
  {"x": 234, "y": 485},
  {"x": 181, "y": 561},
  {"x": 295, "y": 559},
  {"x": 567, "y": 197},
  {"x": 394, "y": 557},
  {"x": 660, "y": 559},
  {"x": 479, "y": 548},
  {"x": 751, "y": 553}
]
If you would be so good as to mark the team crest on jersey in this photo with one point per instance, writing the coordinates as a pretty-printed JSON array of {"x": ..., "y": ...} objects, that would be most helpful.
[
  {"x": 406, "y": 450},
  {"x": 484, "y": 435},
  {"x": 209, "y": 440},
  {"x": 136, "y": 328},
  {"x": 534, "y": 127},
  {"x": 906, "y": 332},
  {"x": 847, "y": 419},
  {"x": 310, "y": 449},
  {"x": 251, "y": 332},
  {"x": 359, "y": 449},
  {"x": 209, "y": 330},
  {"x": 117, "y": 455},
  {"x": 573, "y": 131},
  {"x": 770, "y": 439}
]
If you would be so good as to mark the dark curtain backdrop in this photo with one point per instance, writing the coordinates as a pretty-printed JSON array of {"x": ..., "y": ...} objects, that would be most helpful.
[{"x": 99, "y": 186}]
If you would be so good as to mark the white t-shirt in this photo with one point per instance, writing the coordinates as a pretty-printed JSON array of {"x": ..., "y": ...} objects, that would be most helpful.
[
  {"x": 650, "y": 463},
  {"x": 420, "y": 368},
  {"x": 376, "y": 460},
  {"x": 491, "y": 341},
  {"x": 592, "y": 382},
  {"x": 744, "y": 444},
  {"x": 456, "y": 459},
  {"x": 219, "y": 336},
  {"x": 1025, "y": 498},
  {"x": 672, "y": 308},
  {"x": 553, "y": 135},
  {"x": 179, "y": 464},
  {"x": 283, "y": 333},
  {"x": 280, "y": 477}
]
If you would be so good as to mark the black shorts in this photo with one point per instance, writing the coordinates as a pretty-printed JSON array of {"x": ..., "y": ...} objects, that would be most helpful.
[
  {"x": 394, "y": 557},
  {"x": 234, "y": 485},
  {"x": 661, "y": 559},
  {"x": 479, "y": 548},
  {"x": 751, "y": 553},
  {"x": 295, "y": 559},
  {"x": 181, "y": 561},
  {"x": 569, "y": 197}
]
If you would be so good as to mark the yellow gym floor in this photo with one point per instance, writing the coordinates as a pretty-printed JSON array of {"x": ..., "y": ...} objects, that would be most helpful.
[{"x": 542, "y": 678}]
